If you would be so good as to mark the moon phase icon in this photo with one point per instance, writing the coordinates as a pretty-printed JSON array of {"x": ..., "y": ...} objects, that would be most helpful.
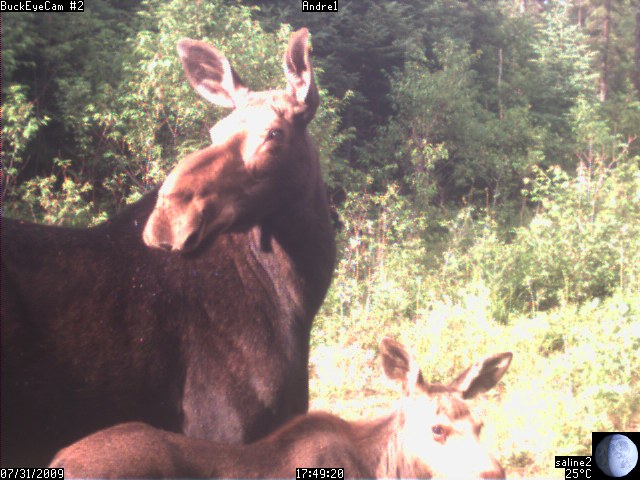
[{"x": 616, "y": 455}]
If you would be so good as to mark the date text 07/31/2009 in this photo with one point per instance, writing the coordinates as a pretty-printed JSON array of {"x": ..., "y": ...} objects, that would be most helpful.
[{"x": 32, "y": 473}]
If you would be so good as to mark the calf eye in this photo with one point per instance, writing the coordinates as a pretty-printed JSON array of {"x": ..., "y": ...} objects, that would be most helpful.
[
  {"x": 439, "y": 433},
  {"x": 276, "y": 134}
]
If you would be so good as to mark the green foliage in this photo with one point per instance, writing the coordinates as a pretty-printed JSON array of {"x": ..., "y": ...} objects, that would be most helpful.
[
  {"x": 66, "y": 66},
  {"x": 379, "y": 275},
  {"x": 561, "y": 77},
  {"x": 19, "y": 126},
  {"x": 582, "y": 243},
  {"x": 444, "y": 107},
  {"x": 58, "y": 204},
  {"x": 55, "y": 199},
  {"x": 444, "y": 133}
]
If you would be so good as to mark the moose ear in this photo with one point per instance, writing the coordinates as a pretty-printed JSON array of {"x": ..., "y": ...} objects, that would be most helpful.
[
  {"x": 482, "y": 375},
  {"x": 399, "y": 365},
  {"x": 299, "y": 74},
  {"x": 210, "y": 73}
]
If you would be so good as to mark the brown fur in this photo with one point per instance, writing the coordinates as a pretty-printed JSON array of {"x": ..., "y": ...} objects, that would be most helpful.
[
  {"x": 210, "y": 339},
  {"x": 378, "y": 448}
]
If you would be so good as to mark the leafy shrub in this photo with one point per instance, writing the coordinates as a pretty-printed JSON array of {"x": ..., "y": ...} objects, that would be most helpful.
[
  {"x": 381, "y": 273},
  {"x": 19, "y": 126},
  {"x": 581, "y": 243},
  {"x": 57, "y": 204}
]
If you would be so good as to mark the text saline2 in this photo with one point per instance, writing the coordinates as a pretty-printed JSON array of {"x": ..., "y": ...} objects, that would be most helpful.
[{"x": 575, "y": 466}]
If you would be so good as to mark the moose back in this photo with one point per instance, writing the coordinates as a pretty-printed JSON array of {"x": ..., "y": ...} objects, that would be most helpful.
[{"x": 191, "y": 309}]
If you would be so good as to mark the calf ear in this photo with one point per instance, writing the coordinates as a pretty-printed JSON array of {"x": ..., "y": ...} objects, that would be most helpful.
[
  {"x": 482, "y": 375},
  {"x": 210, "y": 73},
  {"x": 399, "y": 365},
  {"x": 299, "y": 74}
]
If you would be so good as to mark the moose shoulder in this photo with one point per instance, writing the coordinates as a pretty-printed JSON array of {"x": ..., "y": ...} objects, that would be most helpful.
[
  {"x": 431, "y": 434},
  {"x": 190, "y": 310}
]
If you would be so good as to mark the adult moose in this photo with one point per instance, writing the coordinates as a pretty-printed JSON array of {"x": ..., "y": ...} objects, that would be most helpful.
[
  {"x": 210, "y": 338},
  {"x": 432, "y": 434}
]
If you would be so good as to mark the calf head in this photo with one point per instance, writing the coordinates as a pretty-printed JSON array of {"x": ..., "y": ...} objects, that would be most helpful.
[{"x": 437, "y": 434}]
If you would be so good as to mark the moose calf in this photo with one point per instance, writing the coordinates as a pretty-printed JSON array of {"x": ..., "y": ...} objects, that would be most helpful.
[{"x": 431, "y": 434}]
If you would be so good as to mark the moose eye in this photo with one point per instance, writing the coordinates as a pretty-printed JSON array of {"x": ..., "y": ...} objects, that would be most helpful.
[
  {"x": 276, "y": 134},
  {"x": 439, "y": 433}
]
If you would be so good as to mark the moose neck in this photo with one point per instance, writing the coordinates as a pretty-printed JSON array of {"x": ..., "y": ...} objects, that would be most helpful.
[{"x": 296, "y": 246}]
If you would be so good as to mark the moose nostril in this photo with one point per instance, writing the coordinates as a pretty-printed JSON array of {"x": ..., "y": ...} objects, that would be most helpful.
[{"x": 165, "y": 246}]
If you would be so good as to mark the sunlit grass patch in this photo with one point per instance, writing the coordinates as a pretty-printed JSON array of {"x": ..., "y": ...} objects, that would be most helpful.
[{"x": 575, "y": 370}]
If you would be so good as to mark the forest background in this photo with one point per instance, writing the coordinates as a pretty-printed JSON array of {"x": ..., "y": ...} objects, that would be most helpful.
[{"x": 483, "y": 158}]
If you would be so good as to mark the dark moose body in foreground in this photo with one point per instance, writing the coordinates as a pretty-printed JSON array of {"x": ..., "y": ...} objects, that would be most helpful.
[
  {"x": 210, "y": 338},
  {"x": 432, "y": 434}
]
